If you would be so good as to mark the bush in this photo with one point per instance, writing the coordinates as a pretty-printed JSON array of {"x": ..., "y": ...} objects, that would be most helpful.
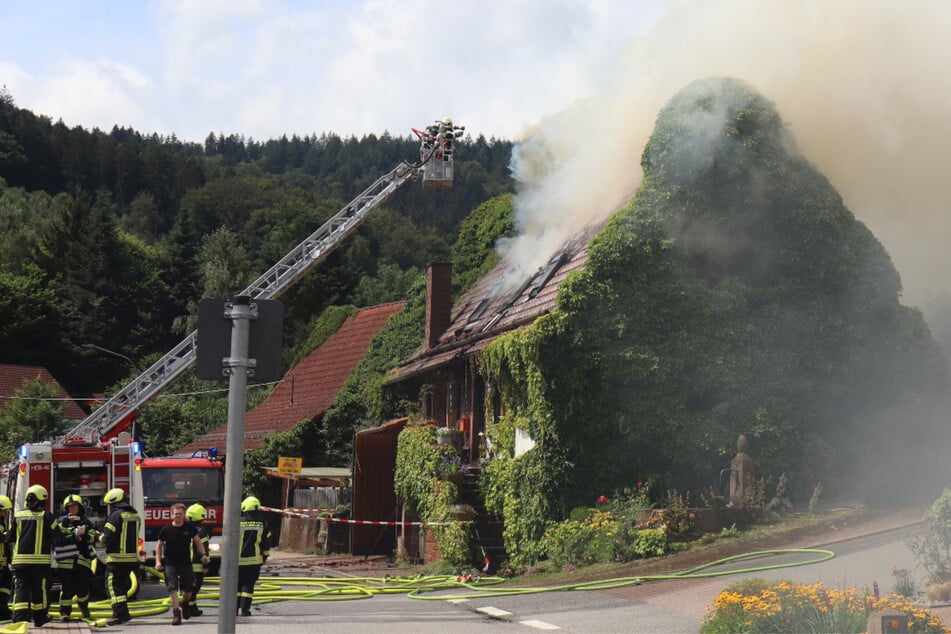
[
  {"x": 757, "y": 605},
  {"x": 933, "y": 548},
  {"x": 600, "y": 538}
]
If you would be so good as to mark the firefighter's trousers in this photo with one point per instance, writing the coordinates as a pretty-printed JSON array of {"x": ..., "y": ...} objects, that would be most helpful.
[{"x": 31, "y": 592}]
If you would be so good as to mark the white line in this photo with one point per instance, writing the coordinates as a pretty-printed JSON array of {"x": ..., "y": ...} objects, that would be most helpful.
[
  {"x": 489, "y": 610},
  {"x": 539, "y": 625},
  {"x": 457, "y": 600}
]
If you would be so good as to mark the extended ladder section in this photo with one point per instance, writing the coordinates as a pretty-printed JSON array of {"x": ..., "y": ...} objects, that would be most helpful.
[{"x": 114, "y": 415}]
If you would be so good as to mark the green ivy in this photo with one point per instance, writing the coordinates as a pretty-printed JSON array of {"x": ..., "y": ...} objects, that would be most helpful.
[{"x": 416, "y": 481}]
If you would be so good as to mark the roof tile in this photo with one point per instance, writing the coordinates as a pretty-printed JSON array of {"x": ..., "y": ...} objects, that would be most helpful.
[
  {"x": 12, "y": 378},
  {"x": 308, "y": 389}
]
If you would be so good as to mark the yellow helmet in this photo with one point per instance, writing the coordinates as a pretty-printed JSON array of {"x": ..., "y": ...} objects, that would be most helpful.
[
  {"x": 39, "y": 492},
  {"x": 113, "y": 496},
  {"x": 250, "y": 503},
  {"x": 72, "y": 498},
  {"x": 447, "y": 120},
  {"x": 195, "y": 513},
  {"x": 5, "y": 503}
]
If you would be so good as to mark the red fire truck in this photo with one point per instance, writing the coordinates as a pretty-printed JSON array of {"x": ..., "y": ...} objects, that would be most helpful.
[
  {"x": 80, "y": 466},
  {"x": 201, "y": 479}
]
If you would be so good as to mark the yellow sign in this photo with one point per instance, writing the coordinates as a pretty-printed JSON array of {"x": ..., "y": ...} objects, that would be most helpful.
[{"x": 289, "y": 466}]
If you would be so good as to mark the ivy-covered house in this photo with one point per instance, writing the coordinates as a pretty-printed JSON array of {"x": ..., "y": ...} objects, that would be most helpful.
[
  {"x": 735, "y": 294},
  {"x": 445, "y": 370}
]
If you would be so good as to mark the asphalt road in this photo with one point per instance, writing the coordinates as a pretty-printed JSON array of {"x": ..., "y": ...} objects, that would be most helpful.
[{"x": 657, "y": 606}]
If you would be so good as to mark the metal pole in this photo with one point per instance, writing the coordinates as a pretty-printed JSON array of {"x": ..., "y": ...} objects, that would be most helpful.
[{"x": 239, "y": 311}]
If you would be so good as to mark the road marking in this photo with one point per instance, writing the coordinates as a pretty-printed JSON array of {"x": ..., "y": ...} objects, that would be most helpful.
[
  {"x": 539, "y": 625},
  {"x": 495, "y": 612},
  {"x": 457, "y": 600}
]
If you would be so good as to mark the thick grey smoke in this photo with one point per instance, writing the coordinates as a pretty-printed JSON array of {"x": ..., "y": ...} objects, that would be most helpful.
[{"x": 862, "y": 85}]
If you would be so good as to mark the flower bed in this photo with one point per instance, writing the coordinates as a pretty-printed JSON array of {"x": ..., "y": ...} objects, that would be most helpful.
[{"x": 757, "y": 605}]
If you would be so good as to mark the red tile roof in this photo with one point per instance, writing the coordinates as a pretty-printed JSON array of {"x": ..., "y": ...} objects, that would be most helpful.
[
  {"x": 475, "y": 325},
  {"x": 308, "y": 388},
  {"x": 12, "y": 378}
]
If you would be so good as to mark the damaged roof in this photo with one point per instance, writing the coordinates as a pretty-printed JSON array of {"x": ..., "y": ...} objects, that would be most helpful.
[
  {"x": 309, "y": 388},
  {"x": 485, "y": 311},
  {"x": 12, "y": 378}
]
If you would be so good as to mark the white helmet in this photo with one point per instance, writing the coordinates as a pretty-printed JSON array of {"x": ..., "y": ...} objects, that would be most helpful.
[{"x": 447, "y": 120}]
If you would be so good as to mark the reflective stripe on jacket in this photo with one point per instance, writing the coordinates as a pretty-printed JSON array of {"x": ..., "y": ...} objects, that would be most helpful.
[
  {"x": 33, "y": 537},
  {"x": 120, "y": 535},
  {"x": 255, "y": 540}
]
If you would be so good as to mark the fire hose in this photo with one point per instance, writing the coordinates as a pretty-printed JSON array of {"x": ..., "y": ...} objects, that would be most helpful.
[{"x": 272, "y": 589}]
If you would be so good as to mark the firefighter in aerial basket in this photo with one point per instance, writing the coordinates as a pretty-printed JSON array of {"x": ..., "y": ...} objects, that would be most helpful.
[
  {"x": 34, "y": 530},
  {"x": 72, "y": 556},
  {"x": 120, "y": 536}
]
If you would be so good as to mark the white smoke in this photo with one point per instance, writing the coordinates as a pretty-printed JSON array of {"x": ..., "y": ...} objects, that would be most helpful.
[{"x": 861, "y": 83}]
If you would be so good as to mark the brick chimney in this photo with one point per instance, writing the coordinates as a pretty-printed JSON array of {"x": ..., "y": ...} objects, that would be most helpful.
[{"x": 438, "y": 301}]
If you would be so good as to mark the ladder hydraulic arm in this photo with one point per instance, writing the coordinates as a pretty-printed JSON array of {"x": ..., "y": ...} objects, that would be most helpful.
[{"x": 113, "y": 416}]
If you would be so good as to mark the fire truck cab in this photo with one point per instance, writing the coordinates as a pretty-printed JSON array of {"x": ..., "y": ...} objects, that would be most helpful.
[
  {"x": 82, "y": 466},
  {"x": 199, "y": 478}
]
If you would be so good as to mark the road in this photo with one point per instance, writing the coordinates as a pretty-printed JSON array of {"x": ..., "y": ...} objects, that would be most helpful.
[{"x": 657, "y": 606}]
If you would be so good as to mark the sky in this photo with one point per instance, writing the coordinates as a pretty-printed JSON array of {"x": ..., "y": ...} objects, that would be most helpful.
[
  {"x": 861, "y": 84},
  {"x": 263, "y": 68}
]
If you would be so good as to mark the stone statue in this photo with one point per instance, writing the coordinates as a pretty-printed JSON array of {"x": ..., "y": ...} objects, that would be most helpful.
[{"x": 742, "y": 473}]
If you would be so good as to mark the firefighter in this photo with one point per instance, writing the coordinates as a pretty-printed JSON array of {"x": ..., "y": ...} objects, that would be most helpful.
[
  {"x": 448, "y": 133},
  {"x": 120, "y": 537},
  {"x": 33, "y": 533},
  {"x": 73, "y": 555},
  {"x": 255, "y": 547},
  {"x": 195, "y": 514},
  {"x": 6, "y": 577}
]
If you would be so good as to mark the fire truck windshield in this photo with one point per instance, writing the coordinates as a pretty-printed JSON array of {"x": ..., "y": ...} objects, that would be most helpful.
[{"x": 181, "y": 484}]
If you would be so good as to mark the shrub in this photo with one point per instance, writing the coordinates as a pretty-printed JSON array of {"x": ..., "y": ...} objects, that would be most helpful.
[
  {"x": 756, "y": 605},
  {"x": 600, "y": 538},
  {"x": 932, "y": 548}
]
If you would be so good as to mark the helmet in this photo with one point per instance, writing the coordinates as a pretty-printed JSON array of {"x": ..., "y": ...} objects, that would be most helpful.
[
  {"x": 447, "y": 120},
  {"x": 39, "y": 492},
  {"x": 5, "y": 503},
  {"x": 113, "y": 496},
  {"x": 195, "y": 513},
  {"x": 36, "y": 497},
  {"x": 72, "y": 498},
  {"x": 250, "y": 503}
]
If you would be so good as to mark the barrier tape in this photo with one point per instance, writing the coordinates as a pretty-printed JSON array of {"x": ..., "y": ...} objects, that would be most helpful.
[{"x": 316, "y": 516}]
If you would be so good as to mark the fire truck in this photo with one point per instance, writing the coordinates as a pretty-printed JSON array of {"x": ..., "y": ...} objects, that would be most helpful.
[
  {"x": 166, "y": 481},
  {"x": 85, "y": 466},
  {"x": 100, "y": 452}
]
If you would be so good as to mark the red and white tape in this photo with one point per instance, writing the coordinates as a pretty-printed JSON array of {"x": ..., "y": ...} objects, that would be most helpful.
[{"x": 323, "y": 514}]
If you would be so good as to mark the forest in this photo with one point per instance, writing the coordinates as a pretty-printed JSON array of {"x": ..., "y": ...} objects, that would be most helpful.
[{"x": 108, "y": 240}]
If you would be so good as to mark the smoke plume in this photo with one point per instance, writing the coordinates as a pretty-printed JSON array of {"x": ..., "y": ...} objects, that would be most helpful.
[{"x": 860, "y": 83}]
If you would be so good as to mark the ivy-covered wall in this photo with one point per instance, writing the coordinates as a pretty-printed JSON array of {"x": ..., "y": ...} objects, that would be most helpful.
[{"x": 735, "y": 294}]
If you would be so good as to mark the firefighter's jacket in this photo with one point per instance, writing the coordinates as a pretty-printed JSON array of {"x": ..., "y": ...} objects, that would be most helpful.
[
  {"x": 33, "y": 534},
  {"x": 72, "y": 550},
  {"x": 5, "y": 550},
  {"x": 255, "y": 539},
  {"x": 197, "y": 566},
  {"x": 120, "y": 535}
]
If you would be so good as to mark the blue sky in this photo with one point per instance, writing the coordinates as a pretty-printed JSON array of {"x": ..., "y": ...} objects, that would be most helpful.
[{"x": 263, "y": 68}]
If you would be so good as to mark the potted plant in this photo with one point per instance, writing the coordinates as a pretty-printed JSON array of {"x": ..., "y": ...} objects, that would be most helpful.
[
  {"x": 462, "y": 512},
  {"x": 450, "y": 468},
  {"x": 443, "y": 436}
]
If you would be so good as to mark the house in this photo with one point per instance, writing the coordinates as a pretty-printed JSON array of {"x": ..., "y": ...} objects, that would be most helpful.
[
  {"x": 13, "y": 377},
  {"x": 444, "y": 371},
  {"x": 309, "y": 388},
  {"x": 444, "y": 368}
]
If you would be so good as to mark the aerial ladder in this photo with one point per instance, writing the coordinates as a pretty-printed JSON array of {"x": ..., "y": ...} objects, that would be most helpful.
[{"x": 435, "y": 167}]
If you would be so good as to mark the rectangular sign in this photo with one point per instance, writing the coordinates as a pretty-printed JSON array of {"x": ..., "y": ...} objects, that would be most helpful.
[{"x": 289, "y": 466}]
